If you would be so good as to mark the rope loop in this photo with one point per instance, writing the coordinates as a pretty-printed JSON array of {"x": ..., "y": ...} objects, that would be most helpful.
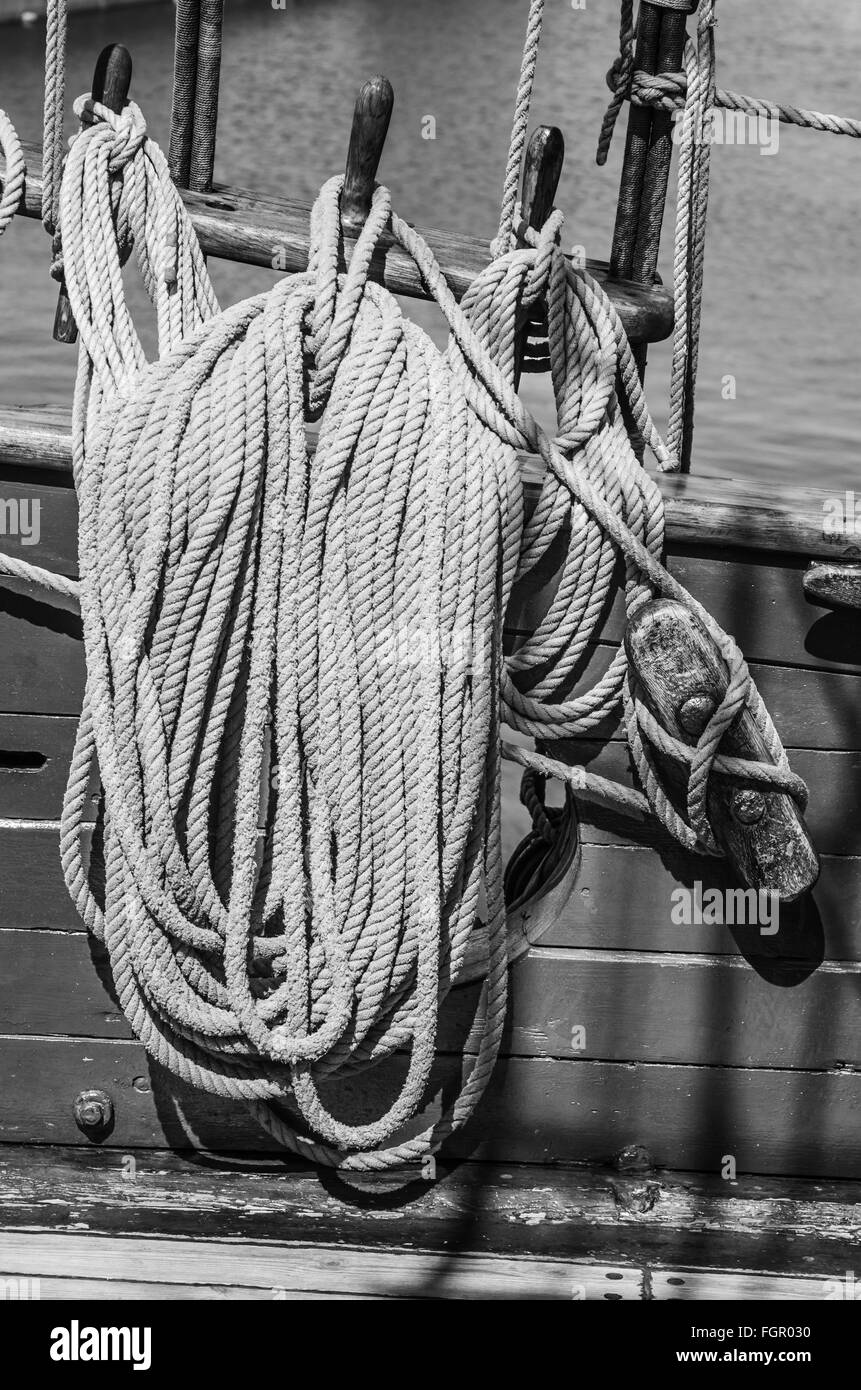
[{"x": 296, "y": 681}]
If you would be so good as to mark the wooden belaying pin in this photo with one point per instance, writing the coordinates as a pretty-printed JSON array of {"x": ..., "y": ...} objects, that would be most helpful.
[
  {"x": 683, "y": 678},
  {"x": 111, "y": 81},
  {"x": 371, "y": 118},
  {"x": 542, "y": 170}
]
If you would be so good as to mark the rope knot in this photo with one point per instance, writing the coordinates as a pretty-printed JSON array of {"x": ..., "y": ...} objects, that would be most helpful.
[{"x": 128, "y": 126}]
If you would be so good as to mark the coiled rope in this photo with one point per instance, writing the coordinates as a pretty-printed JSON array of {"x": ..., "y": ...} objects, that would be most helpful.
[
  {"x": 300, "y": 827},
  {"x": 13, "y": 181}
]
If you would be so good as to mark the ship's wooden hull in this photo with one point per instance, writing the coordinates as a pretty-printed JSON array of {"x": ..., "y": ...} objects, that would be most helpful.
[{"x": 701, "y": 1043}]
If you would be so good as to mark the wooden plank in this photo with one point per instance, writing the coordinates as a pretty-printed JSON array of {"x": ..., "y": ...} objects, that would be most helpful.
[
  {"x": 44, "y": 671},
  {"x": 240, "y": 225},
  {"x": 712, "y": 1284},
  {"x": 535, "y": 1110},
  {"x": 35, "y": 754},
  {"x": 760, "y": 600},
  {"x": 619, "y": 903},
  {"x": 622, "y": 893},
  {"x": 314, "y": 1268},
  {"x": 39, "y": 525},
  {"x": 833, "y": 814},
  {"x": 644, "y": 1217},
  {"x": 77, "y": 1289},
  {"x": 34, "y": 793},
  {"x": 600, "y": 1005},
  {"x": 45, "y": 675},
  {"x": 731, "y": 513},
  {"x": 810, "y": 708}
]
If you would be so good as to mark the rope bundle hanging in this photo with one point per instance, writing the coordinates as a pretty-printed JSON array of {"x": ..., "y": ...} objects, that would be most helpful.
[{"x": 299, "y": 828}]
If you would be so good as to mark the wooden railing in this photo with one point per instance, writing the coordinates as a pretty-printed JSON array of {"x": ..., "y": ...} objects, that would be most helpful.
[
  {"x": 237, "y": 224},
  {"x": 700, "y": 511}
]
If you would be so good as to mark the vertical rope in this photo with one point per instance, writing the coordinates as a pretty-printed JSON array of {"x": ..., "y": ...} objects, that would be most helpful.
[
  {"x": 206, "y": 94},
  {"x": 504, "y": 239},
  {"x": 52, "y": 127},
  {"x": 690, "y": 237},
  {"x": 184, "y": 84}
]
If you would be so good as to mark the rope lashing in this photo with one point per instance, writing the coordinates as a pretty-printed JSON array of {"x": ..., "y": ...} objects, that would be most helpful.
[
  {"x": 240, "y": 601},
  {"x": 694, "y": 94}
]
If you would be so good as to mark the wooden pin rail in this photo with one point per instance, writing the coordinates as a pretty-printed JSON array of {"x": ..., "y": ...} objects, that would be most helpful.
[
  {"x": 237, "y": 224},
  {"x": 700, "y": 511}
]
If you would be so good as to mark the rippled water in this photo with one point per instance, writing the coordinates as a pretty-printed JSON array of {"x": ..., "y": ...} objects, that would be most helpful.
[{"x": 782, "y": 285}]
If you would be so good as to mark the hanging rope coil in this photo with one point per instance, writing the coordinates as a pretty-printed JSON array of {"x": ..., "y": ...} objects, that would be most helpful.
[
  {"x": 295, "y": 678},
  {"x": 300, "y": 824}
]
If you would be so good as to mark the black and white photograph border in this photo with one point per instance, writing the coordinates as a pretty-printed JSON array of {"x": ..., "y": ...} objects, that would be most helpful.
[{"x": 430, "y": 614}]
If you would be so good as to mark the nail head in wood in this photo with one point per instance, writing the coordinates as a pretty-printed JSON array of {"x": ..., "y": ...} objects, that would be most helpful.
[
  {"x": 695, "y": 712},
  {"x": 367, "y": 138},
  {"x": 94, "y": 1113},
  {"x": 748, "y": 806}
]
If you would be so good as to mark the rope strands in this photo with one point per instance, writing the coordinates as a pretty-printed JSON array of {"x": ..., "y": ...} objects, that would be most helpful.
[
  {"x": 270, "y": 930},
  {"x": 296, "y": 686},
  {"x": 15, "y": 171},
  {"x": 194, "y": 113}
]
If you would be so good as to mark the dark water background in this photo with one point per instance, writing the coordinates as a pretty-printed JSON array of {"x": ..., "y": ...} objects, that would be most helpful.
[{"x": 783, "y": 287}]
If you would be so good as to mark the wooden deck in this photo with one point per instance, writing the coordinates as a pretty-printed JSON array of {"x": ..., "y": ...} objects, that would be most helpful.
[{"x": 90, "y": 1224}]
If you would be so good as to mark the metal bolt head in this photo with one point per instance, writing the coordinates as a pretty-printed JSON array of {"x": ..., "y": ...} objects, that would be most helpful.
[
  {"x": 748, "y": 806},
  {"x": 695, "y": 713},
  {"x": 94, "y": 1112}
]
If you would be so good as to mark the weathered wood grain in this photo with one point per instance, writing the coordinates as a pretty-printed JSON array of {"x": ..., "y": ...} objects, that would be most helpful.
[
  {"x": 240, "y": 225},
  {"x": 682, "y": 679},
  {"x": 834, "y": 584},
  {"x": 75, "y": 1289},
  {"x": 539, "y": 1110},
  {"x": 584, "y": 1004},
  {"x": 650, "y": 1218},
  {"x": 318, "y": 1268}
]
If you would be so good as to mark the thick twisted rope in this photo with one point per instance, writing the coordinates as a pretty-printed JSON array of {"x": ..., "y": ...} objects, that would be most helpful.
[
  {"x": 300, "y": 822},
  {"x": 53, "y": 151},
  {"x": 14, "y": 171},
  {"x": 505, "y": 237},
  {"x": 271, "y": 930}
]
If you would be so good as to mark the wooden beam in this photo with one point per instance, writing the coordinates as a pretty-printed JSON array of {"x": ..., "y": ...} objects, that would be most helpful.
[
  {"x": 591, "y": 1214},
  {"x": 732, "y": 513},
  {"x": 237, "y": 224}
]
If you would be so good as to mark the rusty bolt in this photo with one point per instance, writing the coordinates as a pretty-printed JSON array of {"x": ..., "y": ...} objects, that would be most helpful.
[
  {"x": 748, "y": 807},
  {"x": 94, "y": 1112},
  {"x": 695, "y": 712}
]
